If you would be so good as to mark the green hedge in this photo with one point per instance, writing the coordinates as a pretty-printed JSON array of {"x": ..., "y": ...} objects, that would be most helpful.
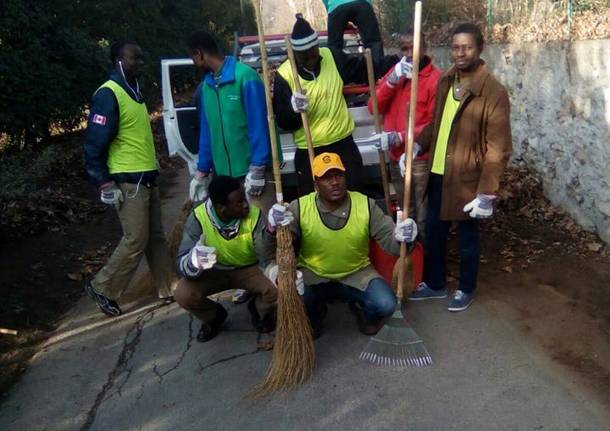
[{"x": 54, "y": 54}]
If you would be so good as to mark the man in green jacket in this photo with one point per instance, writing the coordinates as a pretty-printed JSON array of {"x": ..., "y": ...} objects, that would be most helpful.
[{"x": 234, "y": 135}]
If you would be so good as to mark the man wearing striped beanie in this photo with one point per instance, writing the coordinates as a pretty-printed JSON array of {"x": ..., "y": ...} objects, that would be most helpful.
[{"x": 322, "y": 74}]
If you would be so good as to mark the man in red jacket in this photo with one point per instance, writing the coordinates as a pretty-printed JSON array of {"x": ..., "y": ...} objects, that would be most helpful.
[{"x": 394, "y": 96}]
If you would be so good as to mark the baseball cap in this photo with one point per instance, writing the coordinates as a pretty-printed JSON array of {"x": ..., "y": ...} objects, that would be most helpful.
[{"x": 325, "y": 162}]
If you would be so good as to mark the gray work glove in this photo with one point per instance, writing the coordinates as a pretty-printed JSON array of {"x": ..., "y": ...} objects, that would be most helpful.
[
  {"x": 198, "y": 188},
  {"x": 111, "y": 195},
  {"x": 402, "y": 162},
  {"x": 481, "y": 206},
  {"x": 299, "y": 102},
  {"x": 279, "y": 215},
  {"x": 271, "y": 272},
  {"x": 402, "y": 69},
  {"x": 255, "y": 180},
  {"x": 405, "y": 230},
  {"x": 384, "y": 141},
  {"x": 202, "y": 256}
]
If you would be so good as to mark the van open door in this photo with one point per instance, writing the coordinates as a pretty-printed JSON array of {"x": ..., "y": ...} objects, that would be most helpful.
[{"x": 180, "y": 118}]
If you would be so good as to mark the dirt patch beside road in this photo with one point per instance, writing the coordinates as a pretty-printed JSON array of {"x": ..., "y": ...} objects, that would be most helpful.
[{"x": 560, "y": 303}]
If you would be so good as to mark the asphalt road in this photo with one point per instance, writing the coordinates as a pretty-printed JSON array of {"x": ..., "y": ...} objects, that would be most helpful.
[{"x": 146, "y": 372}]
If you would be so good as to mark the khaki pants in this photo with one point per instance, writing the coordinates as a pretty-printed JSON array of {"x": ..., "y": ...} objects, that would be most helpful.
[
  {"x": 140, "y": 216},
  {"x": 192, "y": 295},
  {"x": 417, "y": 210}
]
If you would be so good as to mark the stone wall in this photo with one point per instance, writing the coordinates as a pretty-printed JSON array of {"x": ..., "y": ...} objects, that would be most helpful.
[{"x": 560, "y": 96}]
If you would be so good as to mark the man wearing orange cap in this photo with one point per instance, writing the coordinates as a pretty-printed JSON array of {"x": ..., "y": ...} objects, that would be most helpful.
[{"x": 332, "y": 229}]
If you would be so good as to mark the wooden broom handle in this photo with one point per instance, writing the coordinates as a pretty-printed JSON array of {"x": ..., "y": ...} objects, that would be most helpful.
[
  {"x": 410, "y": 138},
  {"x": 277, "y": 174},
  {"x": 297, "y": 83},
  {"x": 385, "y": 180}
]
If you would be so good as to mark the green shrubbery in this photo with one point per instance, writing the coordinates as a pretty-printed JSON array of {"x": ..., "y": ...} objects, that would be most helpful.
[{"x": 53, "y": 55}]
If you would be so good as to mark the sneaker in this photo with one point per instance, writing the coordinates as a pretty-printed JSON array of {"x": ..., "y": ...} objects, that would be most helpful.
[
  {"x": 461, "y": 301},
  {"x": 422, "y": 291},
  {"x": 107, "y": 305},
  {"x": 240, "y": 296},
  {"x": 211, "y": 329},
  {"x": 264, "y": 325}
]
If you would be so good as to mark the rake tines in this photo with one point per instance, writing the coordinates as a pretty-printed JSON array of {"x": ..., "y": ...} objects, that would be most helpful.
[{"x": 397, "y": 345}]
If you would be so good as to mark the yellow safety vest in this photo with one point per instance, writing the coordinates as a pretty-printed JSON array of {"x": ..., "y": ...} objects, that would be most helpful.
[
  {"x": 440, "y": 152},
  {"x": 330, "y": 253},
  {"x": 237, "y": 251},
  {"x": 329, "y": 118},
  {"x": 133, "y": 149}
]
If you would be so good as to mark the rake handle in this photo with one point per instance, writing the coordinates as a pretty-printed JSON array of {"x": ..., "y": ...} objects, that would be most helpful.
[
  {"x": 385, "y": 180},
  {"x": 410, "y": 140}
]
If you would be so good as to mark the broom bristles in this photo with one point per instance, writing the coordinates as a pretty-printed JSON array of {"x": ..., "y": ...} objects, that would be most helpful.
[{"x": 293, "y": 356}]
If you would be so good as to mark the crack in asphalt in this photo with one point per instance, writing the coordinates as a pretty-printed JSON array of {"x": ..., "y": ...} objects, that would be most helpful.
[
  {"x": 121, "y": 367},
  {"x": 227, "y": 359},
  {"x": 189, "y": 343}
]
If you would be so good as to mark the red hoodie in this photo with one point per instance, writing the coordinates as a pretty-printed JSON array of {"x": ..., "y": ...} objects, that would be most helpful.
[{"x": 394, "y": 103}]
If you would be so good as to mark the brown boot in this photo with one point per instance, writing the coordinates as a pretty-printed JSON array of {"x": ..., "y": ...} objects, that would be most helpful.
[{"x": 364, "y": 325}]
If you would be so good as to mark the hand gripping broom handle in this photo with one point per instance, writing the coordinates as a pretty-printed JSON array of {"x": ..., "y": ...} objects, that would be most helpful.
[
  {"x": 409, "y": 141},
  {"x": 277, "y": 174},
  {"x": 385, "y": 181},
  {"x": 297, "y": 83}
]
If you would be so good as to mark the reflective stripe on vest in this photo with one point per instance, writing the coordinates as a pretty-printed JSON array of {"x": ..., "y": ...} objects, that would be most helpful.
[
  {"x": 133, "y": 149},
  {"x": 237, "y": 251},
  {"x": 329, "y": 253},
  {"x": 329, "y": 118}
]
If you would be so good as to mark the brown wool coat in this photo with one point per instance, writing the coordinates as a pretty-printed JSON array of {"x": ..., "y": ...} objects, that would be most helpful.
[{"x": 480, "y": 141}]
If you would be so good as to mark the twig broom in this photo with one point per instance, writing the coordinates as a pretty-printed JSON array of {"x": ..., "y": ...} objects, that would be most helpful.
[
  {"x": 397, "y": 344},
  {"x": 293, "y": 355}
]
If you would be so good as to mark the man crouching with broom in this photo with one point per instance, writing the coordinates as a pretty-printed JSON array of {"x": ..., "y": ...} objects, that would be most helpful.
[
  {"x": 332, "y": 229},
  {"x": 222, "y": 247}
]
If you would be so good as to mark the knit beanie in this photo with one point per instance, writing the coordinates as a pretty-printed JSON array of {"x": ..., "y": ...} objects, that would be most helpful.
[{"x": 303, "y": 37}]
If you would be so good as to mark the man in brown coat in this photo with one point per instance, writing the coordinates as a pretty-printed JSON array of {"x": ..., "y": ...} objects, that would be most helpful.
[{"x": 470, "y": 144}]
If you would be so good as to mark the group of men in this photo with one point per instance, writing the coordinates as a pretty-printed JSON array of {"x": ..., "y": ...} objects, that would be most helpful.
[{"x": 463, "y": 139}]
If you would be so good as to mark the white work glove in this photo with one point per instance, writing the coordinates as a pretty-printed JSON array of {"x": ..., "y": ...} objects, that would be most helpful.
[
  {"x": 402, "y": 162},
  {"x": 202, "y": 256},
  {"x": 198, "y": 189},
  {"x": 271, "y": 273},
  {"x": 279, "y": 215},
  {"x": 402, "y": 69},
  {"x": 111, "y": 195},
  {"x": 481, "y": 206},
  {"x": 255, "y": 180},
  {"x": 405, "y": 230},
  {"x": 384, "y": 141},
  {"x": 299, "y": 102}
]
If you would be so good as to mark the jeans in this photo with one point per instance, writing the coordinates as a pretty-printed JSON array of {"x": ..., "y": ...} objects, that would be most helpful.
[
  {"x": 377, "y": 301},
  {"x": 362, "y": 14},
  {"x": 437, "y": 232}
]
